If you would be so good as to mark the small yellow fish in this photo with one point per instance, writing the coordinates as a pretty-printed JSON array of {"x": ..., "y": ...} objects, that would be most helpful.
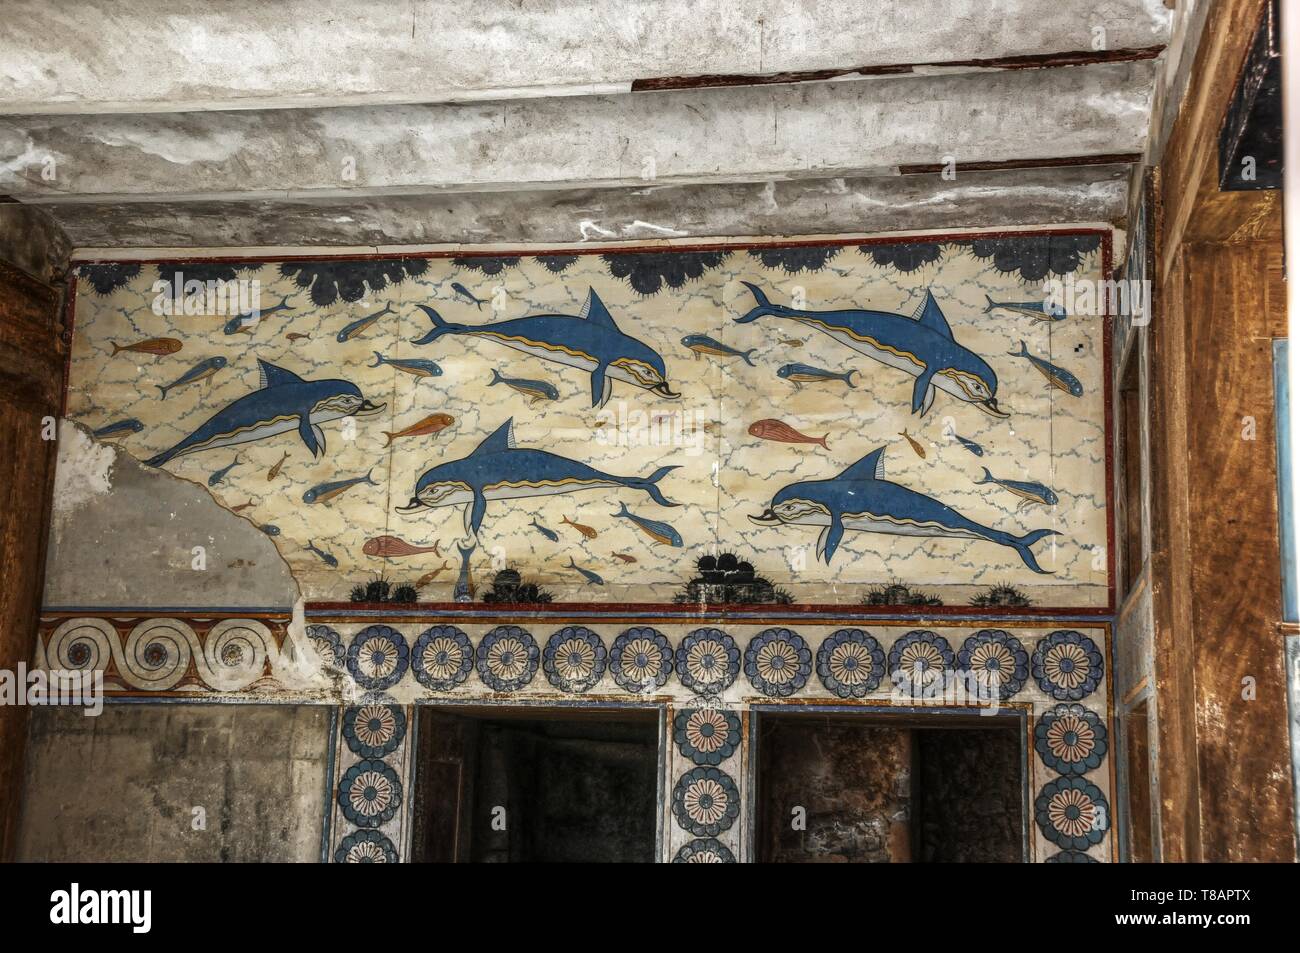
[
  {"x": 241, "y": 507},
  {"x": 713, "y": 428},
  {"x": 586, "y": 531},
  {"x": 297, "y": 336},
  {"x": 275, "y": 470},
  {"x": 792, "y": 342},
  {"x": 920, "y": 450},
  {"x": 430, "y": 576},
  {"x": 625, "y": 557}
]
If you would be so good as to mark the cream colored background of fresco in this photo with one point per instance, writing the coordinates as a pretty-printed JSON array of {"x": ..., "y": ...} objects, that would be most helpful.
[{"x": 1051, "y": 436}]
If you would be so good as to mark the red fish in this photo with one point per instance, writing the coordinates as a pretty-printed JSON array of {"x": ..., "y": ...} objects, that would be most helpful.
[
  {"x": 431, "y": 424},
  {"x": 159, "y": 346},
  {"x": 776, "y": 430},
  {"x": 389, "y": 547}
]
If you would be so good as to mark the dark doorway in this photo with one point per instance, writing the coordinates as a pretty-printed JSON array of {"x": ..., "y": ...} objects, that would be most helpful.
[
  {"x": 859, "y": 788},
  {"x": 518, "y": 786}
]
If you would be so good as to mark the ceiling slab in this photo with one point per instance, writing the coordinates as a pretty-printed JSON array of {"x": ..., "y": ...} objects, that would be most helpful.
[
  {"x": 740, "y": 134},
  {"x": 553, "y": 217},
  {"x": 103, "y": 56}
]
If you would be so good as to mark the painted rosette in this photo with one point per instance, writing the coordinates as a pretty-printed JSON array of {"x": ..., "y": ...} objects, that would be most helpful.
[
  {"x": 328, "y": 643},
  {"x": 704, "y": 850},
  {"x": 1072, "y": 813},
  {"x": 997, "y": 661},
  {"x": 370, "y": 793},
  {"x": 373, "y": 731},
  {"x": 919, "y": 663},
  {"x": 574, "y": 659},
  {"x": 1070, "y": 739},
  {"x": 365, "y": 847},
  {"x": 850, "y": 663},
  {"x": 442, "y": 658},
  {"x": 507, "y": 658},
  {"x": 1071, "y": 857},
  {"x": 708, "y": 661},
  {"x": 377, "y": 657},
  {"x": 641, "y": 660},
  {"x": 706, "y": 735},
  {"x": 705, "y": 802},
  {"x": 1067, "y": 665},
  {"x": 778, "y": 662}
]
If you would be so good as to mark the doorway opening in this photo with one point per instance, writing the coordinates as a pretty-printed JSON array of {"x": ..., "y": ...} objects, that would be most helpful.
[
  {"x": 883, "y": 788},
  {"x": 497, "y": 785}
]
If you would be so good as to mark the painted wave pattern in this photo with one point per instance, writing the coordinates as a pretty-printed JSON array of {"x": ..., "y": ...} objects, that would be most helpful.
[{"x": 725, "y": 476}]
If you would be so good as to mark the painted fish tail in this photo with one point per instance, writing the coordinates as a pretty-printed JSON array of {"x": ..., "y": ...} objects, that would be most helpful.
[
  {"x": 117, "y": 350},
  {"x": 163, "y": 389},
  {"x": 496, "y": 378},
  {"x": 822, "y": 441},
  {"x": 368, "y": 480},
  {"x": 848, "y": 377},
  {"x": 648, "y": 484},
  {"x": 763, "y": 306},
  {"x": 746, "y": 355},
  {"x": 388, "y": 439},
  {"x": 1022, "y": 544},
  {"x": 440, "y": 327},
  {"x": 991, "y": 303},
  {"x": 379, "y": 360},
  {"x": 988, "y": 477},
  {"x": 1023, "y": 352}
]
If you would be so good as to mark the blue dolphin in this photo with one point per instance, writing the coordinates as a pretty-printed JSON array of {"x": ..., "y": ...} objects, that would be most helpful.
[
  {"x": 589, "y": 341},
  {"x": 921, "y": 345},
  {"x": 498, "y": 470},
  {"x": 283, "y": 402},
  {"x": 861, "y": 498}
]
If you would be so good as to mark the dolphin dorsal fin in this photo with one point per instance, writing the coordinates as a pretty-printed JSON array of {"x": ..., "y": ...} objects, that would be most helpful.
[
  {"x": 870, "y": 467},
  {"x": 929, "y": 314},
  {"x": 503, "y": 438},
  {"x": 596, "y": 312},
  {"x": 271, "y": 376}
]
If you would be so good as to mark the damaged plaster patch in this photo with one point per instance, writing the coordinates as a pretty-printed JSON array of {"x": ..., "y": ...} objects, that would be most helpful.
[
  {"x": 127, "y": 535},
  {"x": 84, "y": 472}
]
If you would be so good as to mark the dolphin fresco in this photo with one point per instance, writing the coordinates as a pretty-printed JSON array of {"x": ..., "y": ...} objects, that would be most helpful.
[
  {"x": 921, "y": 345},
  {"x": 498, "y": 470},
  {"x": 589, "y": 341},
  {"x": 862, "y": 499},
  {"x": 283, "y": 402}
]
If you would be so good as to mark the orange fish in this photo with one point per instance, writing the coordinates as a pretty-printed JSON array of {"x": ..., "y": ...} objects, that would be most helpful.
[
  {"x": 776, "y": 430},
  {"x": 625, "y": 557},
  {"x": 920, "y": 450},
  {"x": 297, "y": 336},
  {"x": 242, "y": 506},
  {"x": 157, "y": 346},
  {"x": 429, "y": 577},
  {"x": 586, "y": 531},
  {"x": 275, "y": 470},
  {"x": 389, "y": 547},
  {"x": 429, "y": 425}
]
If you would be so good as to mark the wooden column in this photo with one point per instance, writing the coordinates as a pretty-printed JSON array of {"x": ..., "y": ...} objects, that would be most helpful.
[
  {"x": 1223, "y": 763},
  {"x": 31, "y": 384}
]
